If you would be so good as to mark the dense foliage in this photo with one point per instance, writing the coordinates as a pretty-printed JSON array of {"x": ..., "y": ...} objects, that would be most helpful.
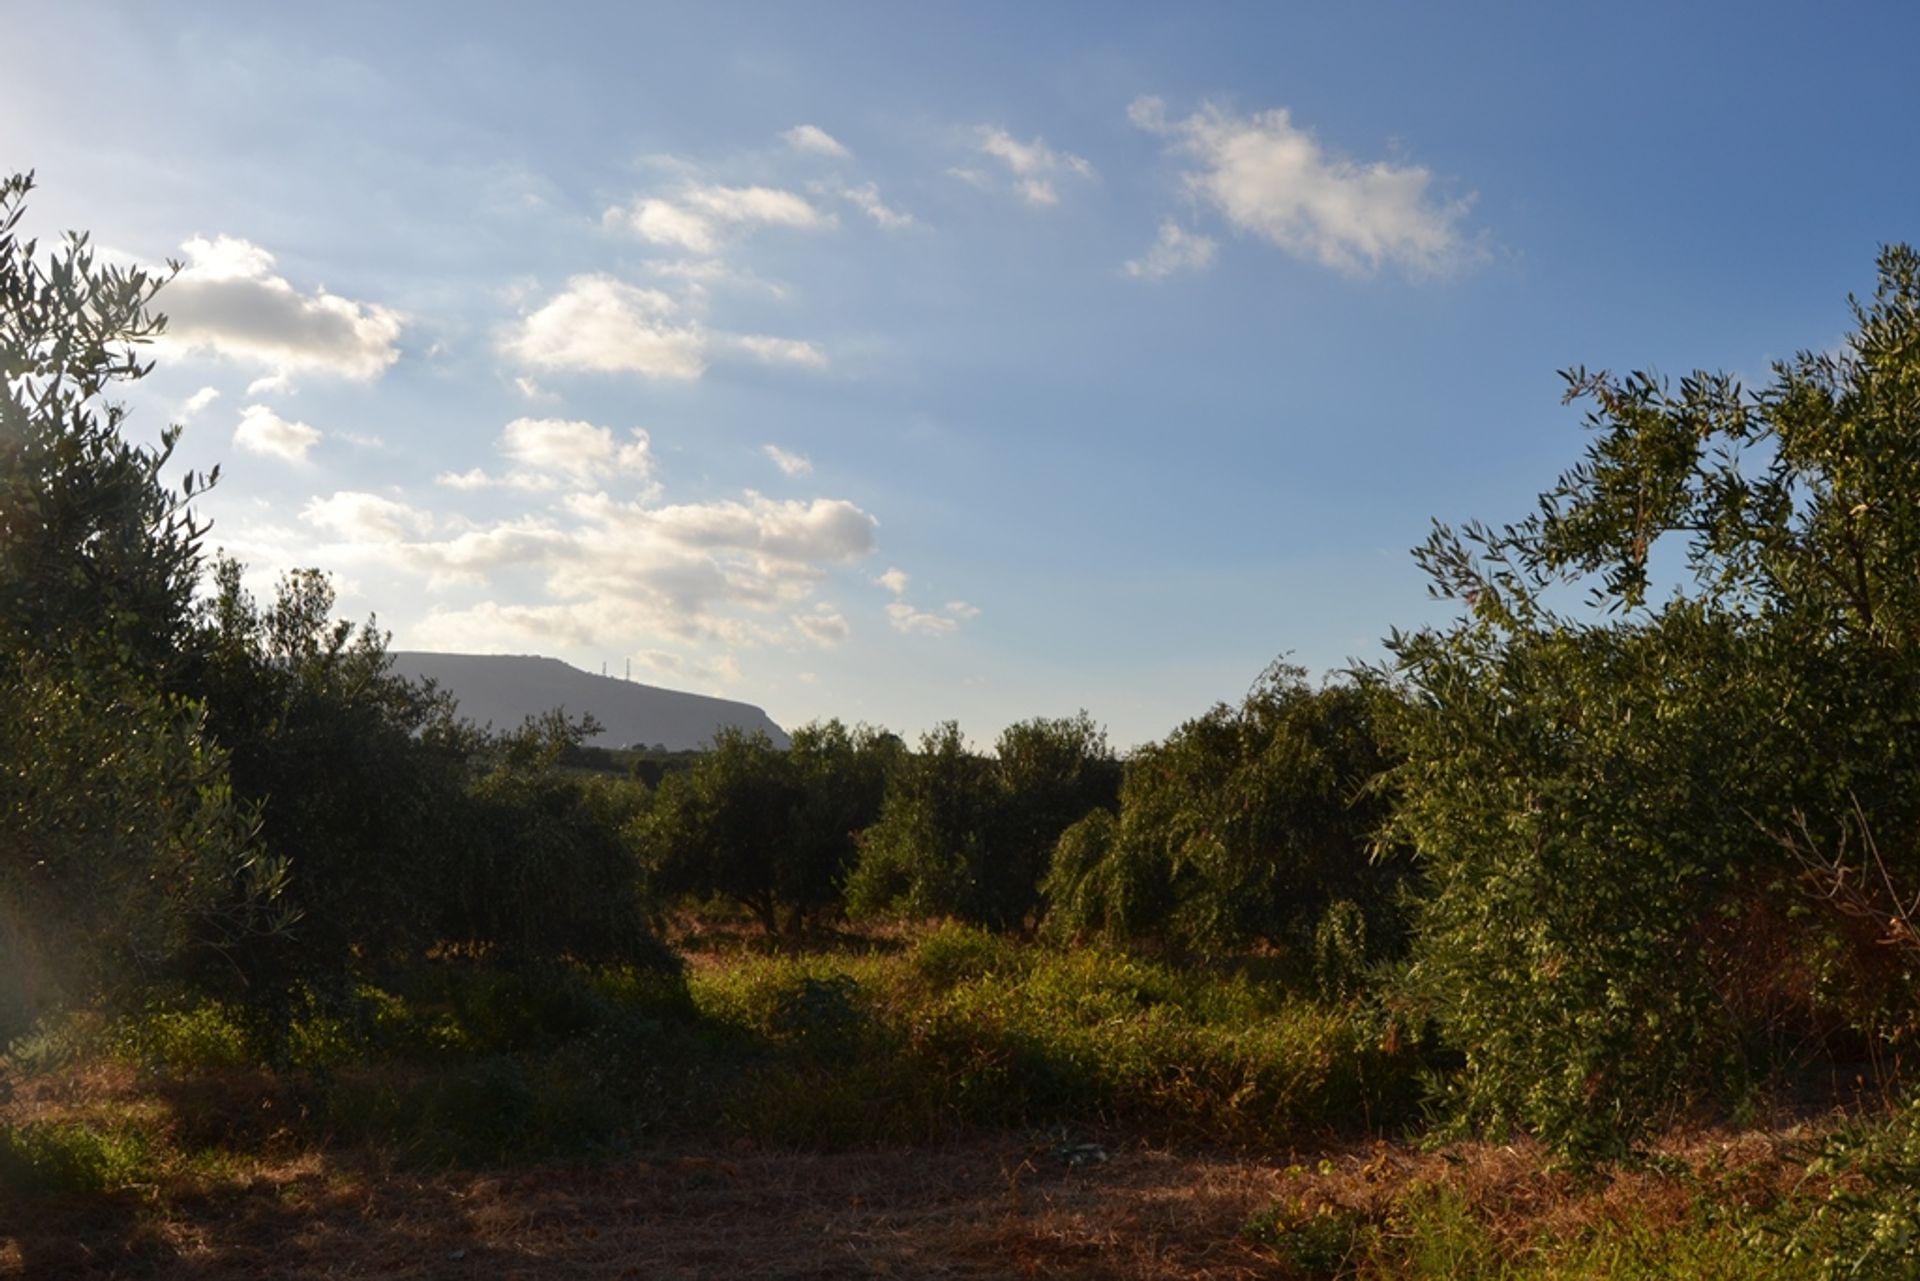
[
  {"x": 1245, "y": 826},
  {"x": 970, "y": 836},
  {"x": 1617, "y": 921}
]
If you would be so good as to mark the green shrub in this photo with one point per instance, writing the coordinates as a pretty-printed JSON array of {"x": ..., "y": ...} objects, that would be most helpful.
[
  {"x": 1246, "y": 825},
  {"x": 73, "y": 1158},
  {"x": 1327, "y": 1243},
  {"x": 953, "y": 952},
  {"x": 202, "y": 1037}
]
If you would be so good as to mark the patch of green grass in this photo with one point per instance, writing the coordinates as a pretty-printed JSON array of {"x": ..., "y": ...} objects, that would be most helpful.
[
  {"x": 74, "y": 1157},
  {"x": 954, "y": 952},
  {"x": 967, "y": 1030},
  {"x": 1326, "y": 1243}
]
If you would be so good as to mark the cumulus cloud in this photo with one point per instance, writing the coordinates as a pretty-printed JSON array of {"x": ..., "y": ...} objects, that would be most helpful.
[
  {"x": 228, "y": 302},
  {"x": 790, "y": 464},
  {"x": 895, "y": 581},
  {"x": 357, "y": 517},
  {"x": 1270, "y": 178},
  {"x": 1034, "y": 165},
  {"x": 261, "y": 431},
  {"x": 699, "y": 216},
  {"x": 866, "y": 198},
  {"x": 580, "y": 451},
  {"x": 598, "y": 324},
  {"x": 814, "y": 139},
  {"x": 1175, "y": 249},
  {"x": 614, "y": 573},
  {"x": 602, "y": 325},
  {"x": 552, "y": 453}
]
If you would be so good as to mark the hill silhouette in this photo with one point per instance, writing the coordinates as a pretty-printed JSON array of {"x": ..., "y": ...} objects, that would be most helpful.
[{"x": 502, "y": 690}]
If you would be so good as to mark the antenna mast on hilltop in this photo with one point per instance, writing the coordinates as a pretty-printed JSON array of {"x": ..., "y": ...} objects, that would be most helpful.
[{"x": 629, "y": 669}]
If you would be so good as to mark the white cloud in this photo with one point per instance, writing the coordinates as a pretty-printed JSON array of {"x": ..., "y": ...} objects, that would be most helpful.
[
  {"x": 553, "y": 453},
  {"x": 580, "y": 451},
  {"x": 1034, "y": 164},
  {"x": 261, "y": 431},
  {"x": 910, "y": 619},
  {"x": 601, "y": 325},
  {"x": 814, "y": 139},
  {"x": 895, "y": 581},
  {"x": 357, "y": 517},
  {"x": 228, "y": 302},
  {"x": 699, "y": 274},
  {"x": 777, "y": 351},
  {"x": 1176, "y": 249},
  {"x": 866, "y": 198},
  {"x": 699, "y": 216},
  {"x": 475, "y": 478},
  {"x": 824, "y": 626},
  {"x": 905, "y": 618},
  {"x": 530, "y": 389},
  {"x": 790, "y": 464},
  {"x": 193, "y": 404},
  {"x": 613, "y": 573},
  {"x": 1268, "y": 177}
]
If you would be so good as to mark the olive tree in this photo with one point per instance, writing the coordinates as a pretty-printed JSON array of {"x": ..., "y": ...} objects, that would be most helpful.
[{"x": 1598, "y": 795}]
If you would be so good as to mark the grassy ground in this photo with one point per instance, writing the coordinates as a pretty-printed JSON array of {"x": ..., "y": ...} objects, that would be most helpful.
[{"x": 922, "y": 1104}]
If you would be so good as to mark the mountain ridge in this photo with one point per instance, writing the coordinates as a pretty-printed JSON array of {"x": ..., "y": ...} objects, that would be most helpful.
[{"x": 502, "y": 690}]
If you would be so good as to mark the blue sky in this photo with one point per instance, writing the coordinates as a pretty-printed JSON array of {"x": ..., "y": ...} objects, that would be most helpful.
[{"x": 903, "y": 364}]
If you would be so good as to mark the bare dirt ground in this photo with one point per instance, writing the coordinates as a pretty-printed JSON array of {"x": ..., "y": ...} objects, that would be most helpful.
[{"x": 992, "y": 1208}]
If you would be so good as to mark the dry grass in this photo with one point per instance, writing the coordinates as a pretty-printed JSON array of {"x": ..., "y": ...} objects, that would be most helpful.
[{"x": 996, "y": 1208}]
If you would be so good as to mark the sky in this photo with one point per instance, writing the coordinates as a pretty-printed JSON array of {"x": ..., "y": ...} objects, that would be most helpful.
[{"x": 906, "y": 363}]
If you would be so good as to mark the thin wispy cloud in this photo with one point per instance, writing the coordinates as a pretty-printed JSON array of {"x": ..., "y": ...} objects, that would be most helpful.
[
  {"x": 912, "y": 620},
  {"x": 866, "y": 198},
  {"x": 699, "y": 217},
  {"x": 1174, "y": 250},
  {"x": 790, "y": 464},
  {"x": 816, "y": 141},
  {"x": 1034, "y": 166}
]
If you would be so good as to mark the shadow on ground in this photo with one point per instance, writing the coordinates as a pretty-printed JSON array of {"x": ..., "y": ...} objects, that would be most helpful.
[{"x": 988, "y": 1209}]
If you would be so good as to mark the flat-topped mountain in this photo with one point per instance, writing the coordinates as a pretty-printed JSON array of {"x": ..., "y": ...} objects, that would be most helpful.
[{"x": 504, "y": 689}]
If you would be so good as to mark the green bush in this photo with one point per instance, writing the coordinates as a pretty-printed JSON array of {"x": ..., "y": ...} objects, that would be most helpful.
[
  {"x": 73, "y": 1158},
  {"x": 953, "y": 952},
  {"x": 1616, "y": 926},
  {"x": 1246, "y": 825}
]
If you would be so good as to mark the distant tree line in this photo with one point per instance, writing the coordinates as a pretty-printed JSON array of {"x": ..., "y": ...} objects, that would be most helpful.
[{"x": 1619, "y": 858}]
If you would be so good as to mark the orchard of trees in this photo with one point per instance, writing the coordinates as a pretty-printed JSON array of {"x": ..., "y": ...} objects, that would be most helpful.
[{"x": 1615, "y": 860}]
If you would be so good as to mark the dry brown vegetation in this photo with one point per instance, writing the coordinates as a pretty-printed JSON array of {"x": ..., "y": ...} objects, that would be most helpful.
[{"x": 999, "y": 1206}]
